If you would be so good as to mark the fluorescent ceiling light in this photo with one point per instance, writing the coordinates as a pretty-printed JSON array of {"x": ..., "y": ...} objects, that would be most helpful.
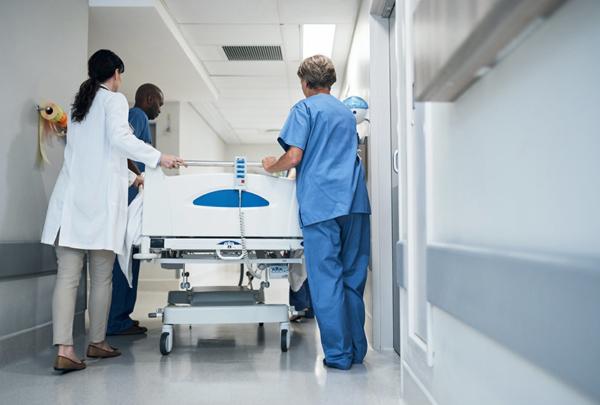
[{"x": 317, "y": 39}]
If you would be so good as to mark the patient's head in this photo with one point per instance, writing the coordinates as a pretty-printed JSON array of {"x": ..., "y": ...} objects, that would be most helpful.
[{"x": 149, "y": 98}]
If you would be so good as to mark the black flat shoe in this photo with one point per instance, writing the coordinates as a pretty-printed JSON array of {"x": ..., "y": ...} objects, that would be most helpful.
[{"x": 132, "y": 330}]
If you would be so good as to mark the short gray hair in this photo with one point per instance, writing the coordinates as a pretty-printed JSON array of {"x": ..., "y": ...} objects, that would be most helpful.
[{"x": 318, "y": 72}]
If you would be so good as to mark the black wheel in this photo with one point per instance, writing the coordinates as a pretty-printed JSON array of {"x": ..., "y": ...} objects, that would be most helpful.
[
  {"x": 284, "y": 346},
  {"x": 164, "y": 348}
]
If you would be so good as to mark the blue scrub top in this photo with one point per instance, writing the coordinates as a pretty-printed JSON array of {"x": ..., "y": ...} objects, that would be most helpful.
[
  {"x": 330, "y": 180},
  {"x": 141, "y": 129}
]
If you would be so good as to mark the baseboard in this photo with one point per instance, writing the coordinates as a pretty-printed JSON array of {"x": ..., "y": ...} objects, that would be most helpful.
[
  {"x": 33, "y": 340},
  {"x": 413, "y": 392}
]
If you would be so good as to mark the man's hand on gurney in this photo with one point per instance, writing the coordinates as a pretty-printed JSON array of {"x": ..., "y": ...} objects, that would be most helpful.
[
  {"x": 288, "y": 160},
  {"x": 171, "y": 161},
  {"x": 139, "y": 181},
  {"x": 268, "y": 162}
]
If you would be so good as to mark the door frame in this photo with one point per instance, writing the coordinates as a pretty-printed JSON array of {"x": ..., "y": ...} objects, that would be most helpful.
[{"x": 380, "y": 157}]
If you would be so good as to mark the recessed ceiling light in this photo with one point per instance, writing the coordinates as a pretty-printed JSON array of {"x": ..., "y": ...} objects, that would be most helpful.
[{"x": 317, "y": 39}]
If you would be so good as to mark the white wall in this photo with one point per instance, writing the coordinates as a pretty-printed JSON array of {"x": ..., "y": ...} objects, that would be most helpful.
[
  {"x": 253, "y": 152},
  {"x": 35, "y": 67},
  {"x": 514, "y": 164},
  {"x": 515, "y": 160},
  {"x": 33, "y": 72},
  {"x": 197, "y": 140},
  {"x": 167, "y": 131},
  {"x": 356, "y": 81}
]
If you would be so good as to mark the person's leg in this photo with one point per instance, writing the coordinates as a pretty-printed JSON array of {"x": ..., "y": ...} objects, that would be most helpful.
[
  {"x": 132, "y": 293},
  {"x": 70, "y": 266},
  {"x": 101, "y": 266},
  {"x": 300, "y": 300},
  {"x": 118, "y": 318},
  {"x": 356, "y": 246},
  {"x": 308, "y": 301},
  {"x": 322, "y": 246}
]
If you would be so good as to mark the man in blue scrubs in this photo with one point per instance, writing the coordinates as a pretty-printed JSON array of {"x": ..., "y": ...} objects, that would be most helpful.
[
  {"x": 320, "y": 140},
  {"x": 148, "y": 100}
]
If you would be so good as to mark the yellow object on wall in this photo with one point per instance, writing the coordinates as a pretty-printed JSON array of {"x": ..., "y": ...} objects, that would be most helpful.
[{"x": 52, "y": 121}]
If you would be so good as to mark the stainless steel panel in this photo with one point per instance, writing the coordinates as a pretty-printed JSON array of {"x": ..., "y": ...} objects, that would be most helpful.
[
  {"x": 454, "y": 40},
  {"x": 23, "y": 259}
]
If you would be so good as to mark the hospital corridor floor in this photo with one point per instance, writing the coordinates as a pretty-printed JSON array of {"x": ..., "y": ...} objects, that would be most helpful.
[{"x": 232, "y": 364}]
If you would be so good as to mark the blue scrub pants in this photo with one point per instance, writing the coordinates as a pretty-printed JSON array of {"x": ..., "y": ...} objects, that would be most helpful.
[
  {"x": 123, "y": 298},
  {"x": 337, "y": 255}
]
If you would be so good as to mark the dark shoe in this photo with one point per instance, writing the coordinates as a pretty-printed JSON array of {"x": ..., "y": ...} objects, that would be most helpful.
[
  {"x": 66, "y": 365},
  {"x": 136, "y": 322},
  {"x": 96, "y": 352},
  {"x": 132, "y": 330}
]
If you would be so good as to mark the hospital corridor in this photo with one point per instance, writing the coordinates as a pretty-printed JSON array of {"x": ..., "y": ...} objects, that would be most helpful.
[{"x": 365, "y": 202}]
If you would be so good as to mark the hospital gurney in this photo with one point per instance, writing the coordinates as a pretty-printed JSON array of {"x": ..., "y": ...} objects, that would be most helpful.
[{"x": 248, "y": 219}]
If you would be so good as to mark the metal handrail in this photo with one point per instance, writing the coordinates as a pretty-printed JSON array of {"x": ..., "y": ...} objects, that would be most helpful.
[{"x": 218, "y": 163}]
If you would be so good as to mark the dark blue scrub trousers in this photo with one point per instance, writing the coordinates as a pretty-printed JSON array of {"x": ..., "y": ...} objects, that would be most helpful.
[
  {"x": 337, "y": 255},
  {"x": 300, "y": 300},
  {"x": 123, "y": 298}
]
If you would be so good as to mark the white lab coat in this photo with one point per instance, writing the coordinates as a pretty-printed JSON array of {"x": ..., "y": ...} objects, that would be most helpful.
[
  {"x": 132, "y": 235},
  {"x": 89, "y": 201}
]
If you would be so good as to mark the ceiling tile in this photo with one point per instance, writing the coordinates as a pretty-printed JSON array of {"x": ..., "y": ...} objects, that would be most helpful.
[
  {"x": 318, "y": 11},
  {"x": 232, "y": 34},
  {"x": 210, "y": 53},
  {"x": 224, "y": 12},
  {"x": 247, "y": 132},
  {"x": 292, "y": 72},
  {"x": 154, "y": 55},
  {"x": 290, "y": 34},
  {"x": 255, "y": 119},
  {"x": 248, "y": 83},
  {"x": 233, "y": 103},
  {"x": 247, "y": 68},
  {"x": 253, "y": 94}
]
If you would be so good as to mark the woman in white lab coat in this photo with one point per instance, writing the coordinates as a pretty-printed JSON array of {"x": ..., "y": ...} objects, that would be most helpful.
[{"x": 87, "y": 213}]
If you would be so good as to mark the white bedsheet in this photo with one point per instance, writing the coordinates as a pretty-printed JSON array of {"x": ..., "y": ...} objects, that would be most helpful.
[{"x": 132, "y": 234}]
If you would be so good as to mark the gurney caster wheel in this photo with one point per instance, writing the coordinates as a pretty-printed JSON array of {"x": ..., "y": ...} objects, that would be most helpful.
[
  {"x": 166, "y": 343},
  {"x": 284, "y": 340}
]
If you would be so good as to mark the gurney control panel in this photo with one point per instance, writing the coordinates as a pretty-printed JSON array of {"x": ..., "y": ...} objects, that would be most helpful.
[{"x": 240, "y": 172}]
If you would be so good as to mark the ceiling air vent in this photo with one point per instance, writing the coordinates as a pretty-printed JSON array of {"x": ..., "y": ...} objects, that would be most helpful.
[{"x": 253, "y": 52}]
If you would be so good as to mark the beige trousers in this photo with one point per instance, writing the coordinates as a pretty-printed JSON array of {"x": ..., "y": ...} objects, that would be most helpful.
[{"x": 70, "y": 266}]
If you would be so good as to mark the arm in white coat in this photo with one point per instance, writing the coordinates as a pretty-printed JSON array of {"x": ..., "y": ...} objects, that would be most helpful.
[{"x": 121, "y": 136}]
